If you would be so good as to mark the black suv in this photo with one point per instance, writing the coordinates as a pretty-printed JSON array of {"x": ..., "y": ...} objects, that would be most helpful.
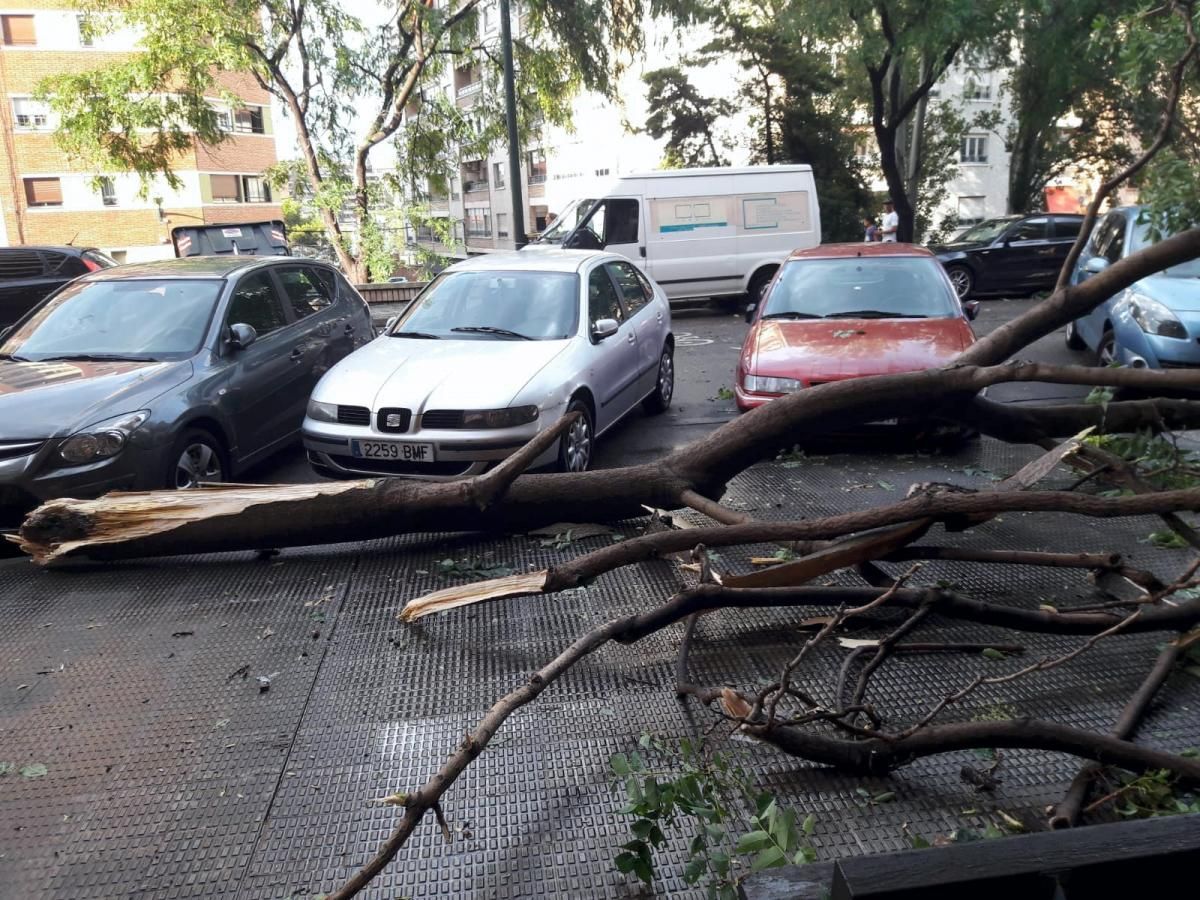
[
  {"x": 1009, "y": 255},
  {"x": 29, "y": 274}
]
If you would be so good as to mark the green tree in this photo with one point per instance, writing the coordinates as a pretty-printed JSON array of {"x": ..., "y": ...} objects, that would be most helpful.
[
  {"x": 686, "y": 118},
  {"x": 349, "y": 86}
]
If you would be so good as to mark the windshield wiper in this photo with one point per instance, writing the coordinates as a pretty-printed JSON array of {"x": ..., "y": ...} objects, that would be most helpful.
[
  {"x": 425, "y": 335},
  {"x": 871, "y": 314},
  {"x": 790, "y": 315},
  {"x": 488, "y": 329},
  {"x": 97, "y": 357}
]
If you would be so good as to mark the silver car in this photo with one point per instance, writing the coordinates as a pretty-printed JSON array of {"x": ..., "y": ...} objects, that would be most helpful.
[
  {"x": 494, "y": 350},
  {"x": 166, "y": 374}
]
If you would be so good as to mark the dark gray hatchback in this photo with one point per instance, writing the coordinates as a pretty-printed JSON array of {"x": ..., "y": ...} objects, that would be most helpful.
[{"x": 167, "y": 374}]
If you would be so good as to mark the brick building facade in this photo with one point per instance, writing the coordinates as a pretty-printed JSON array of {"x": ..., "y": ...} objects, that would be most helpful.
[{"x": 48, "y": 198}]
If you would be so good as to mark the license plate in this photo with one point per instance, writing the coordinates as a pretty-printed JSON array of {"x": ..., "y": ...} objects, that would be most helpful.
[{"x": 403, "y": 451}]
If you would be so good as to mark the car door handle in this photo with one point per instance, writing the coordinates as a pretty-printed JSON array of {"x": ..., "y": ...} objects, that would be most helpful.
[
  {"x": 642, "y": 250},
  {"x": 632, "y": 339},
  {"x": 349, "y": 330},
  {"x": 296, "y": 355}
]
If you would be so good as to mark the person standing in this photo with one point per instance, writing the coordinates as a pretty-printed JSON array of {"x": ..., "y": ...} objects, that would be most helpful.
[
  {"x": 870, "y": 230},
  {"x": 891, "y": 221}
]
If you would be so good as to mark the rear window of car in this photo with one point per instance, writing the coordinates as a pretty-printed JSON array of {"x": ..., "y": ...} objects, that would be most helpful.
[
  {"x": 16, "y": 264},
  {"x": 883, "y": 287},
  {"x": 1065, "y": 228}
]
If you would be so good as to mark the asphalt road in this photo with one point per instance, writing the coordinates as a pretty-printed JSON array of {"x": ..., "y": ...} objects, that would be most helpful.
[{"x": 707, "y": 346}]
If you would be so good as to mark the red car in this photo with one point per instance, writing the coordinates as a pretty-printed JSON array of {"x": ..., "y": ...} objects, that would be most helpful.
[{"x": 847, "y": 310}]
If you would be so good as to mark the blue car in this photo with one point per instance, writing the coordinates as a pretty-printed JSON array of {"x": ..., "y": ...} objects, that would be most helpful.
[{"x": 1155, "y": 323}]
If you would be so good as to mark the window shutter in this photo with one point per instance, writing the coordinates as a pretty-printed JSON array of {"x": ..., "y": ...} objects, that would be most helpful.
[
  {"x": 19, "y": 30},
  {"x": 43, "y": 192},
  {"x": 224, "y": 188}
]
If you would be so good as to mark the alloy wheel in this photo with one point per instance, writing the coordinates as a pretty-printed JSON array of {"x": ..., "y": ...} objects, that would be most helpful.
[
  {"x": 197, "y": 464},
  {"x": 961, "y": 279},
  {"x": 666, "y": 377},
  {"x": 579, "y": 445}
]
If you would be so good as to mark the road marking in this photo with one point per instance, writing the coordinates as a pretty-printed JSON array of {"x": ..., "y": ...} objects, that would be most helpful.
[{"x": 687, "y": 339}]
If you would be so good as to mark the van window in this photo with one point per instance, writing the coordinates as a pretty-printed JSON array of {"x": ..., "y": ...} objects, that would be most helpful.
[
  {"x": 622, "y": 222},
  {"x": 633, "y": 290}
]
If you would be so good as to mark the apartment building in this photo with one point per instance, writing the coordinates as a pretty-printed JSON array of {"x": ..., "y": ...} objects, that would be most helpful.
[
  {"x": 557, "y": 165},
  {"x": 48, "y": 198}
]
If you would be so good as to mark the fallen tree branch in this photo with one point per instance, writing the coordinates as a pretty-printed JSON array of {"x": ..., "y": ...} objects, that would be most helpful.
[
  {"x": 1066, "y": 814},
  {"x": 940, "y": 505}
]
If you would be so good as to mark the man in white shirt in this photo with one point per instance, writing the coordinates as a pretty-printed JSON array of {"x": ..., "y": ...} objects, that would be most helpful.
[{"x": 891, "y": 222}]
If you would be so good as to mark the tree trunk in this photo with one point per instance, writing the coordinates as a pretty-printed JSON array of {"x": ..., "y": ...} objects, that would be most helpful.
[{"x": 885, "y": 136}]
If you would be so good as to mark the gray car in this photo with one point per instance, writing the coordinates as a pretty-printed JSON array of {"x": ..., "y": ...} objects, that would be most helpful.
[
  {"x": 495, "y": 350},
  {"x": 166, "y": 374}
]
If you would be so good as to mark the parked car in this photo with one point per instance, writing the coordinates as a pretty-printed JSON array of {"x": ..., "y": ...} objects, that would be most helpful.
[
  {"x": 496, "y": 349},
  {"x": 716, "y": 232},
  {"x": 1154, "y": 323},
  {"x": 166, "y": 374},
  {"x": 849, "y": 310},
  {"x": 30, "y": 274},
  {"x": 1009, "y": 255}
]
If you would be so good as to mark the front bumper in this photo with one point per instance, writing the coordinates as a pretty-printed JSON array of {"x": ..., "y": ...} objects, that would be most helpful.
[
  {"x": 32, "y": 479},
  {"x": 1137, "y": 349},
  {"x": 459, "y": 453}
]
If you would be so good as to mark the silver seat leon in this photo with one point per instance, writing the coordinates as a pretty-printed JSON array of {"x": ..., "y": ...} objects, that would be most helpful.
[{"x": 494, "y": 350}]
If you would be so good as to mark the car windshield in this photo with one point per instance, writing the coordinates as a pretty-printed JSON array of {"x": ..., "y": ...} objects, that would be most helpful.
[
  {"x": 984, "y": 231},
  {"x": 138, "y": 319},
  {"x": 490, "y": 305},
  {"x": 861, "y": 287},
  {"x": 1142, "y": 239},
  {"x": 575, "y": 213}
]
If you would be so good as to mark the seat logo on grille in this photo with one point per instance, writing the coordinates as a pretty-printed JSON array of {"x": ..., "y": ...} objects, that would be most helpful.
[{"x": 395, "y": 420}]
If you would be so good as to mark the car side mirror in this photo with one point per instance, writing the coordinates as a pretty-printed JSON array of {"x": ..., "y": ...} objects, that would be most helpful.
[
  {"x": 242, "y": 336},
  {"x": 751, "y": 309},
  {"x": 605, "y": 328},
  {"x": 971, "y": 309},
  {"x": 390, "y": 322},
  {"x": 4, "y": 332},
  {"x": 1095, "y": 265}
]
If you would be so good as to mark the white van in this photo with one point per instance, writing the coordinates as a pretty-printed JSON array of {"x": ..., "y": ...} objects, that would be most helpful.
[{"x": 698, "y": 232}]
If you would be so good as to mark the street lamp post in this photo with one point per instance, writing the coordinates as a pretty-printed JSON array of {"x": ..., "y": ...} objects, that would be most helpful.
[{"x": 510, "y": 116}]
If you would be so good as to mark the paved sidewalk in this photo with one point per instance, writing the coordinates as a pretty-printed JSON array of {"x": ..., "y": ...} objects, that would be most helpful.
[{"x": 170, "y": 773}]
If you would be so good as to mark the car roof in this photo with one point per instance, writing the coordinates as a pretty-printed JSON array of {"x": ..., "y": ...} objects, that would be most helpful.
[
  {"x": 533, "y": 259},
  {"x": 57, "y": 248},
  {"x": 192, "y": 267},
  {"x": 877, "y": 249}
]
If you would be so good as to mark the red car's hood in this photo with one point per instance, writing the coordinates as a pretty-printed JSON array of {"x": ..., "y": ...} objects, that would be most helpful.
[{"x": 832, "y": 349}]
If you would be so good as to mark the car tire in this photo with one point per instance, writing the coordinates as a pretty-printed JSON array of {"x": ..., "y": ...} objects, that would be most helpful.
[
  {"x": 664, "y": 386},
  {"x": 1106, "y": 350},
  {"x": 963, "y": 280},
  {"x": 1074, "y": 341},
  {"x": 576, "y": 446},
  {"x": 197, "y": 456},
  {"x": 758, "y": 285}
]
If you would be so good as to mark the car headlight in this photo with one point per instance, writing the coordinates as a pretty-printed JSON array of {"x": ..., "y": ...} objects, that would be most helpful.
[
  {"x": 1154, "y": 318},
  {"x": 500, "y": 418},
  {"x": 757, "y": 384},
  {"x": 102, "y": 440},
  {"x": 322, "y": 412}
]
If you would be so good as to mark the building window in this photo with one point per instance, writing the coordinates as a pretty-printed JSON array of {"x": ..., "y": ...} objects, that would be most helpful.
[
  {"x": 18, "y": 31},
  {"x": 255, "y": 189},
  {"x": 30, "y": 114},
  {"x": 108, "y": 191},
  {"x": 600, "y": 173},
  {"x": 84, "y": 24},
  {"x": 977, "y": 90},
  {"x": 501, "y": 225},
  {"x": 971, "y": 210},
  {"x": 973, "y": 150},
  {"x": 475, "y": 175},
  {"x": 249, "y": 120},
  {"x": 225, "y": 188},
  {"x": 498, "y": 174},
  {"x": 479, "y": 222},
  {"x": 535, "y": 160},
  {"x": 467, "y": 81},
  {"x": 43, "y": 192}
]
